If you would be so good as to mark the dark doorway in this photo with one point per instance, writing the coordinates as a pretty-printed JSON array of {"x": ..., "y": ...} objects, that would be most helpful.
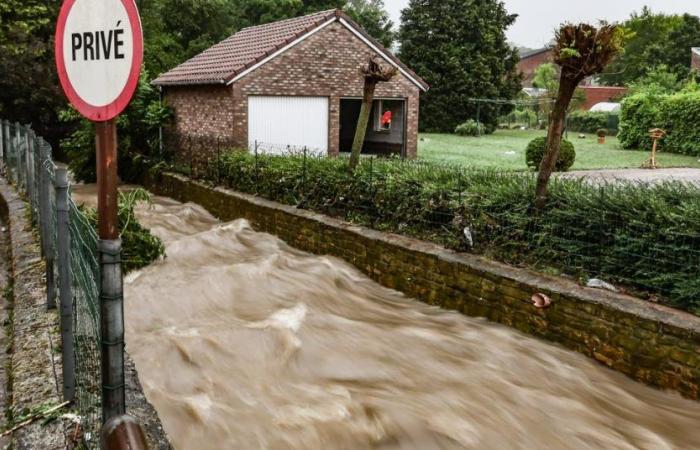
[{"x": 386, "y": 130}]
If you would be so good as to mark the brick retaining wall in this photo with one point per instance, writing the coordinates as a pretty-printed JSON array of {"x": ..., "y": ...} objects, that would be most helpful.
[{"x": 654, "y": 344}]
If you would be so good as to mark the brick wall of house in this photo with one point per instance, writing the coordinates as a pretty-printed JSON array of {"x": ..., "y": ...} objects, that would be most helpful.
[
  {"x": 599, "y": 94},
  {"x": 325, "y": 64},
  {"x": 201, "y": 111},
  {"x": 528, "y": 66}
]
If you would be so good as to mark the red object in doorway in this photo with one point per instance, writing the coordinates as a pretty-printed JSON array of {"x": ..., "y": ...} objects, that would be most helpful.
[{"x": 386, "y": 119}]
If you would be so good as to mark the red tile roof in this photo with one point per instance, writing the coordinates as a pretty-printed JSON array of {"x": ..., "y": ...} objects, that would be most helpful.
[{"x": 229, "y": 58}]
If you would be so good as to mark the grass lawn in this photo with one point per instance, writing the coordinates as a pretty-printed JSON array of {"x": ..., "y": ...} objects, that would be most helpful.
[{"x": 505, "y": 149}]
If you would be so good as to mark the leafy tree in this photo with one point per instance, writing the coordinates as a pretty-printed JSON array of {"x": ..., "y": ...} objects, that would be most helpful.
[
  {"x": 546, "y": 77},
  {"x": 581, "y": 51},
  {"x": 137, "y": 132},
  {"x": 658, "y": 80},
  {"x": 653, "y": 39},
  {"x": 373, "y": 17},
  {"x": 29, "y": 88},
  {"x": 459, "y": 47}
]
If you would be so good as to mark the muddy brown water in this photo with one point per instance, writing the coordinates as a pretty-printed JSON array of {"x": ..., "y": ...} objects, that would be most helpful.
[{"x": 243, "y": 342}]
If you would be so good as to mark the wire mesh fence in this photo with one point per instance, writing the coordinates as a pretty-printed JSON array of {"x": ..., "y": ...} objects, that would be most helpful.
[
  {"x": 28, "y": 164},
  {"x": 644, "y": 239}
]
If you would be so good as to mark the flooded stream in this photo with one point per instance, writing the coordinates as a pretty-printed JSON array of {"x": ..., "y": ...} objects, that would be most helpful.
[{"x": 243, "y": 342}]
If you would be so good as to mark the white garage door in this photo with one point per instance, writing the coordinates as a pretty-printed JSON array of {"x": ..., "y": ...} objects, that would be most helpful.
[{"x": 280, "y": 122}]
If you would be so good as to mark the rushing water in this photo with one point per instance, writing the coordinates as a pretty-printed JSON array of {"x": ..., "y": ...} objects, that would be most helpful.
[{"x": 242, "y": 342}]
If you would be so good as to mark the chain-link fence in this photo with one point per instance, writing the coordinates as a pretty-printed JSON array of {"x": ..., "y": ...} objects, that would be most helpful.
[
  {"x": 642, "y": 238},
  {"x": 28, "y": 164}
]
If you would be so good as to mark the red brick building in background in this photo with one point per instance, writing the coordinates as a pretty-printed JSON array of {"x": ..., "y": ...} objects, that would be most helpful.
[
  {"x": 602, "y": 94},
  {"x": 294, "y": 83},
  {"x": 695, "y": 58},
  {"x": 531, "y": 60}
]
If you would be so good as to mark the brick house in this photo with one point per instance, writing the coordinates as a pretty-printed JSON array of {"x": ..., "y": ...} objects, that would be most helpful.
[
  {"x": 293, "y": 83},
  {"x": 695, "y": 58},
  {"x": 530, "y": 60},
  {"x": 602, "y": 94}
]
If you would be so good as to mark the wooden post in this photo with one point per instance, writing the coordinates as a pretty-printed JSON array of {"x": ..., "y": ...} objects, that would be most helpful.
[
  {"x": 656, "y": 135},
  {"x": 63, "y": 244}
]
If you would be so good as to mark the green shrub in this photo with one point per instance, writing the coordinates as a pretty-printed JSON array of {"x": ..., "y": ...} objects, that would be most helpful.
[
  {"x": 590, "y": 122},
  {"x": 535, "y": 152},
  {"x": 139, "y": 247},
  {"x": 470, "y": 128},
  {"x": 678, "y": 114},
  {"x": 640, "y": 113},
  {"x": 601, "y": 133}
]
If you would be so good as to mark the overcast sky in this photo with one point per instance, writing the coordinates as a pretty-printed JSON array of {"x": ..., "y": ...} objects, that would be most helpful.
[{"x": 538, "y": 18}]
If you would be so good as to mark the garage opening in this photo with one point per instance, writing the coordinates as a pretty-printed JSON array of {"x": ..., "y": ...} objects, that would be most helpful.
[
  {"x": 386, "y": 130},
  {"x": 280, "y": 124}
]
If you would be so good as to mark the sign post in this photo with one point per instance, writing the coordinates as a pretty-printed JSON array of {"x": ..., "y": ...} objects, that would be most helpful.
[{"x": 99, "y": 51}]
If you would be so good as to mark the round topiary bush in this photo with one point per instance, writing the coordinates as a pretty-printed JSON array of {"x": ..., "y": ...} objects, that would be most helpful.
[{"x": 535, "y": 153}]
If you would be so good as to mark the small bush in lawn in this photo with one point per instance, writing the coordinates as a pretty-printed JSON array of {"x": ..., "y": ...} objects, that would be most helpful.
[
  {"x": 535, "y": 152},
  {"x": 470, "y": 128},
  {"x": 602, "y": 132}
]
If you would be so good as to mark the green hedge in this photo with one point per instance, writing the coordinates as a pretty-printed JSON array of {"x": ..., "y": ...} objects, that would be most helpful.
[
  {"x": 645, "y": 238},
  {"x": 678, "y": 114},
  {"x": 590, "y": 122}
]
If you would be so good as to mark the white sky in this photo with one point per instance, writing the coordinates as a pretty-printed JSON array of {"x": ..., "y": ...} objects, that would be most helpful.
[{"x": 538, "y": 18}]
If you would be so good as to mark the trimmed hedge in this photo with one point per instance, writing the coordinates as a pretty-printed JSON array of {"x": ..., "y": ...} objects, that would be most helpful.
[
  {"x": 643, "y": 237},
  {"x": 590, "y": 122},
  {"x": 678, "y": 114},
  {"x": 535, "y": 152}
]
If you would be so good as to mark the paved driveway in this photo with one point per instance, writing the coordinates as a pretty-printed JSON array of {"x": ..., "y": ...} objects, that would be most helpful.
[{"x": 641, "y": 175}]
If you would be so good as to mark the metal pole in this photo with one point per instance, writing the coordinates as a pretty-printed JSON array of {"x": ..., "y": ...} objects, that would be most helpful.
[
  {"x": 29, "y": 137},
  {"x": 64, "y": 281},
  {"x": 20, "y": 157},
  {"x": 2, "y": 140},
  {"x": 303, "y": 175},
  {"x": 111, "y": 289},
  {"x": 6, "y": 134},
  {"x": 45, "y": 222},
  {"x": 478, "y": 118}
]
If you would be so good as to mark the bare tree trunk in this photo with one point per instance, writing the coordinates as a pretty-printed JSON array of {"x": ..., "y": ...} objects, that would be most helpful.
[
  {"x": 554, "y": 135},
  {"x": 362, "y": 122}
]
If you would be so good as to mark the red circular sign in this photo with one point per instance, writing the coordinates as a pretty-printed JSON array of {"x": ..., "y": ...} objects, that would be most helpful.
[{"x": 99, "y": 51}]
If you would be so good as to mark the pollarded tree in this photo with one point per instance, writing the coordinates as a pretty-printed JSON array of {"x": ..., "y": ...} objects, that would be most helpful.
[
  {"x": 373, "y": 73},
  {"x": 459, "y": 48},
  {"x": 581, "y": 51}
]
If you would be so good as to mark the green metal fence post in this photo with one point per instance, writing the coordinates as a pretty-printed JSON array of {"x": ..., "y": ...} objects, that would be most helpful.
[
  {"x": 64, "y": 281},
  {"x": 30, "y": 173},
  {"x": 45, "y": 223}
]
